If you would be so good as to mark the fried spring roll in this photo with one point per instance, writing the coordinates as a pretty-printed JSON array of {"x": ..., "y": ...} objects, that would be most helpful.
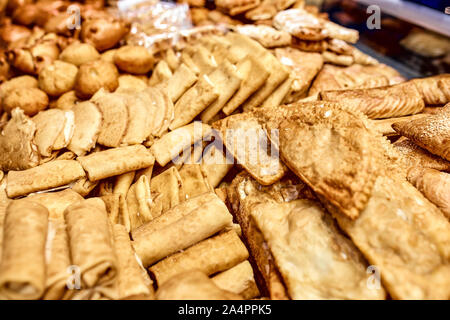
[
  {"x": 22, "y": 268},
  {"x": 139, "y": 203},
  {"x": 173, "y": 215},
  {"x": 113, "y": 162},
  {"x": 227, "y": 81},
  {"x": 123, "y": 183},
  {"x": 182, "y": 79},
  {"x": 239, "y": 280},
  {"x": 133, "y": 280},
  {"x": 57, "y": 258},
  {"x": 194, "y": 101},
  {"x": 46, "y": 176},
  {"x": 56, "y": 202},
  {"x": 215, "y": 165},
  {"x": 112, "y": 204},
  {"x": 209, "y": 256},
  {"x": 190, "y": 229},
  {"x": 170, "y": 145},
  {"x": 169, "y": 189},
  {"x": 91, "y": 242}
]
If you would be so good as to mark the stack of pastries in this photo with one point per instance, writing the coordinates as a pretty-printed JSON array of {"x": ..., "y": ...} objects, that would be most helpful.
[{"x": 269, "y": 160}]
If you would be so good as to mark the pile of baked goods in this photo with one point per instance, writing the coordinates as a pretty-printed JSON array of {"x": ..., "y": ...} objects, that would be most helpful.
[{"x": 268, "y": 160}]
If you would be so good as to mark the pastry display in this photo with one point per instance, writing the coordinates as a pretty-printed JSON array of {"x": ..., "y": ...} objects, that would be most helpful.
[{"x": 234, "y": 150}]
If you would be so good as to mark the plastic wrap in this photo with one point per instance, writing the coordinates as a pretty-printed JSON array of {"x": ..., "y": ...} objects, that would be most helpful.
[{"x": 160, "y": 25}]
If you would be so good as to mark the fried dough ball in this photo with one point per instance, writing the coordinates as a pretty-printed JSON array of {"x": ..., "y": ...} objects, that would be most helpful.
[
  {"x": 58, "y": 78},
  {"x": 10, "y": 33},
  {"x": 129, "y": 82},
  {"x": 33, "y": 60},
  {"x": 17, "y": 83},
  {"x": 25, "y": 15},
  {"x": 134, "y": 59},
  {"x": 103, "y": 33},
  {"x": 95, "y": 75},
  {"x": 67, "y": 101},
  {"x": 48, "y": 9},
  {"x": 58, "y": 25},
  {"x": 30, "y": 100},
  {"x": 79, "y": 53},
  {"x": 108, "y": 55}
]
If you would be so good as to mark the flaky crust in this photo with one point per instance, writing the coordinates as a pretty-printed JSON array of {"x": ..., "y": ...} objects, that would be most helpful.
[
  {"x": 383, "y": 102},
  {"x": 350, "y": 154},
  {"x": 431, "y": 133}
]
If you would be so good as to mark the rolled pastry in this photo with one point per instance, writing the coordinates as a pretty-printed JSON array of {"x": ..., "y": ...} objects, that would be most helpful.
[
  {"x": 194, "y": 101},
  {"x": 56, "y": 202},
  {"x": 190, "y": 229},
  {"x": 46, "y": 176},
  {"x": 113, "y": 162},
  {"x": 133, "y": 280},
  {"x": 239, "y": 280},
  {"x": 91, "y": 242},
  {"x": 22, "y": 268},
  {"x": 123, "y": 183},
  {"x": 170, "y": 145},
  {"x": 170, "y": 188},
  {"x": 139, "y": 203},
  {"x": 57, "y": 258},
  {"x": 173, "y": 215},
  {"x": 209, "y": 256}
]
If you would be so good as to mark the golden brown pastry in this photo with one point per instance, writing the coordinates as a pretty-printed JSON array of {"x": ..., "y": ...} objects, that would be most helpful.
[
  {"x": 17, "y": 148},
  {"x": 435, "y": 186},
  {"x": 88, "y": 121},
  {"x": 267, "y": 36},
  {"x": 22, "y": 267},
  {"x": 93, "y": 76},
  {"x": 431, "y": 133},
  {"x": 239, "y": 280},
  {"x": 103, "y": 32},
  {"x": 91, "y": 243},
  {"x": 46, "y": 176},
  {"x": 79, "y": 53},
  {"x": 350, "y": 161},
  {"x": 415, "y": 156},
  {"x": 300, "y": 24},
  {"x": 405, "y": 238},
  {"x": 30, "y": 100},
  {"x": 134, "y": 59},
  {"x": 210, "y": 256},
  {"x": 203, "y": 222},
  {"x": 304, "y": 67},
  {"x": 382, "y": 102},
  {"x": 113, "y": 162},
  {"x": 247, "y": 141},
  {"x": 133, "y": 280},
  {"x": 289, "y": 229},
  {"x": 434, "y": 90}
]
